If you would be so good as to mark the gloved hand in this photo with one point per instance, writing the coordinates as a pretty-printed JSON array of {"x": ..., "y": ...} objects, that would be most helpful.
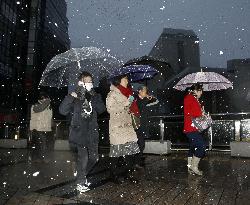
[
  {"x": 81, "y": 91},
  {"x": 131, "y": 98}
]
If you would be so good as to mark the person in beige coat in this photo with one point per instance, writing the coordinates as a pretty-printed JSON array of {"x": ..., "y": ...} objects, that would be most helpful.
[
  {"x": 123, "y": 139},
  {"x": 40, "y": 127}
]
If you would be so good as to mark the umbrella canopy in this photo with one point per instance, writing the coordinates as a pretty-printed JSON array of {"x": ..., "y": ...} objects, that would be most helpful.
[
  {"x": 135, "y": 72},
  {"x": 64, "y": 68},
  {"x": 210, "y": 80}
]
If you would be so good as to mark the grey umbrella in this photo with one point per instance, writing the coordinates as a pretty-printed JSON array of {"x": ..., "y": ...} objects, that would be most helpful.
[
  {"x": 64, "y": 68},
  {"x": 210, "y": 80}
]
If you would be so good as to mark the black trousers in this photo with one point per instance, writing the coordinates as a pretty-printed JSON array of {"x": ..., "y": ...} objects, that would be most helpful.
[
  {"x": 43, "y": 145},
  {"x": 86, "y": 158},
  {"x": 141, "y": 140},
  {"x": 123, "y": 165}
]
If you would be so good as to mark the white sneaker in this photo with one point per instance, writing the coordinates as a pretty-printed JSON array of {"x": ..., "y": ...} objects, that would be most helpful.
[
  {"x": 82, "y": 188},
  {"x": 87, "y": 183}
]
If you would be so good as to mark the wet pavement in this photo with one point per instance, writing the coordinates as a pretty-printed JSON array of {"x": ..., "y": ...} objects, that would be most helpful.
[{"x": 163, "y": 181}]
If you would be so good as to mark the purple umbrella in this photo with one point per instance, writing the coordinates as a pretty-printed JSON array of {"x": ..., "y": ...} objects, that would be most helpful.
[
  {"x": 210, "y": 80},
  {"x": 135, "y": 72}
]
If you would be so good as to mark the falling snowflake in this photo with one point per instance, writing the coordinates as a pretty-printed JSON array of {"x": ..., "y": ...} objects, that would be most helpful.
[
  {"x": 162, "y": 8},
  {"x": 35, "y": 174}
]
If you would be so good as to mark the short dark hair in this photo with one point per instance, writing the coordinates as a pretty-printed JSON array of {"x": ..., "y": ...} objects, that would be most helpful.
[
  {"x": 42, "y": 95},
  {"x": 141, "y": 87},
  {"x": 117, "y": 80},
  {"x": 196, "y": 86},
  {"x": 84, "y": 74}
]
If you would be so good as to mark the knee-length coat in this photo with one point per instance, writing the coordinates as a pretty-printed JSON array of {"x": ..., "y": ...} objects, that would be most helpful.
[{"x": 121, "y": 129}]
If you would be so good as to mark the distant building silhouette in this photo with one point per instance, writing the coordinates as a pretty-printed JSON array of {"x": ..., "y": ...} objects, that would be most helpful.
[
  {"x": 179, "y": 47},
  {"x": 239, "y": 73}
]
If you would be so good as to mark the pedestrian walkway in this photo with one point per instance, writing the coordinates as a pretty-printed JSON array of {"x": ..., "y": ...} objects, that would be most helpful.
[{"x": 164, "y": 181}]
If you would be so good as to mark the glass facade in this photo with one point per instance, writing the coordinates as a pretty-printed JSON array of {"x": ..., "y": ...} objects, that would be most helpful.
[
  {"x": 31, "y": 33},
  {"x": 14, "y": 17},
  {"x": 48, "y": 36}
]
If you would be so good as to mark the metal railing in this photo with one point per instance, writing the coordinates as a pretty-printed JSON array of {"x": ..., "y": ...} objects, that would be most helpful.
[{"x": 226, "y": 127}]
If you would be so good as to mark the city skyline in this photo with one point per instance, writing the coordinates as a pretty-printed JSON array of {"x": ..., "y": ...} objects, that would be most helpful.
[{"x": 130, "y": 29}]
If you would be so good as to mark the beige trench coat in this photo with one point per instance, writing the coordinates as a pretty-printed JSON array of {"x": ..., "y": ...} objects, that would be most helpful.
[
  {"x": 121, "y": 130},
  {"x": 41, "y": 121}
]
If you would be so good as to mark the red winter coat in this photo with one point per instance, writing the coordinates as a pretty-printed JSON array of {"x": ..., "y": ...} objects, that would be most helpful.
[{"x": 192, "y": 108}]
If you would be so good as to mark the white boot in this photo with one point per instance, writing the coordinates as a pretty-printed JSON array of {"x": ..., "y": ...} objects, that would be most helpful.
[
  {"x": 195, "y": 164},
  {"x": 189, "y": 165}
]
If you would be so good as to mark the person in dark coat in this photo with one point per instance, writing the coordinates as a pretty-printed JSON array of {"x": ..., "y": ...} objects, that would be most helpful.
[
  {"x": 84, "y": 104},
  {"x": 144, "y": 101}
]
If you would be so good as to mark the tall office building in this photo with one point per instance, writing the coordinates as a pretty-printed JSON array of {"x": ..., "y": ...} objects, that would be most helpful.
[
  {"x": 48, "y": 36},
  {"x": 31, "y": 33},
  {"x": 14, "y": 18}
]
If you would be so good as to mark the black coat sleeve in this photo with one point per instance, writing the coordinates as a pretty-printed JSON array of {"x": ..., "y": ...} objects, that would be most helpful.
[
  {"x": 153, "y": 101},
  {"x": 142, "y": 103},
  {"x": 98, "y": 104},
  {"x": 67, "y": 105}
]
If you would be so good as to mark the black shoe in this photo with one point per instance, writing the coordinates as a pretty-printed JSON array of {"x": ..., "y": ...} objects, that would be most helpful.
[
  {"x": 129, "y": 176},
  {"x": 133, "y": 179},
  {"x": 138, "y": 166},
  {"x": 116, "y": 179}
]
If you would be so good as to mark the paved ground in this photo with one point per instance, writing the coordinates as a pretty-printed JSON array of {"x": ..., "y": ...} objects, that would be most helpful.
[{"x": 164, "y": 181}]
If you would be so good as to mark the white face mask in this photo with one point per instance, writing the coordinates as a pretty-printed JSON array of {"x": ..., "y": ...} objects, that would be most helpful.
[{"x": 88, "y": 86}]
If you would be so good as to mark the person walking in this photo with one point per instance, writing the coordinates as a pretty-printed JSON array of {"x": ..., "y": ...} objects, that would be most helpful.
[
  {"x": 84, "y": 104},
  {"x": 193, "y": 109},
  {"x": 41, "y": 128},
  {"x": 144, "y": 101},
  {"x": 121, "y": 106}
]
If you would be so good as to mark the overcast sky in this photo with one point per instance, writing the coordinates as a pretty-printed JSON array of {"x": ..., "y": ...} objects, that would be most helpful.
[{"x": 130, "y": 28}]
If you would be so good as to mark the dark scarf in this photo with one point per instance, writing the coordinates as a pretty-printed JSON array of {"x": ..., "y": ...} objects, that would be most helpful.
[{"x": 127, "y": 92}]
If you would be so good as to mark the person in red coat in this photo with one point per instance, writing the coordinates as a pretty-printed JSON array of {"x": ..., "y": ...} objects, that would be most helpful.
[{"x": 193, "y": 109}]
